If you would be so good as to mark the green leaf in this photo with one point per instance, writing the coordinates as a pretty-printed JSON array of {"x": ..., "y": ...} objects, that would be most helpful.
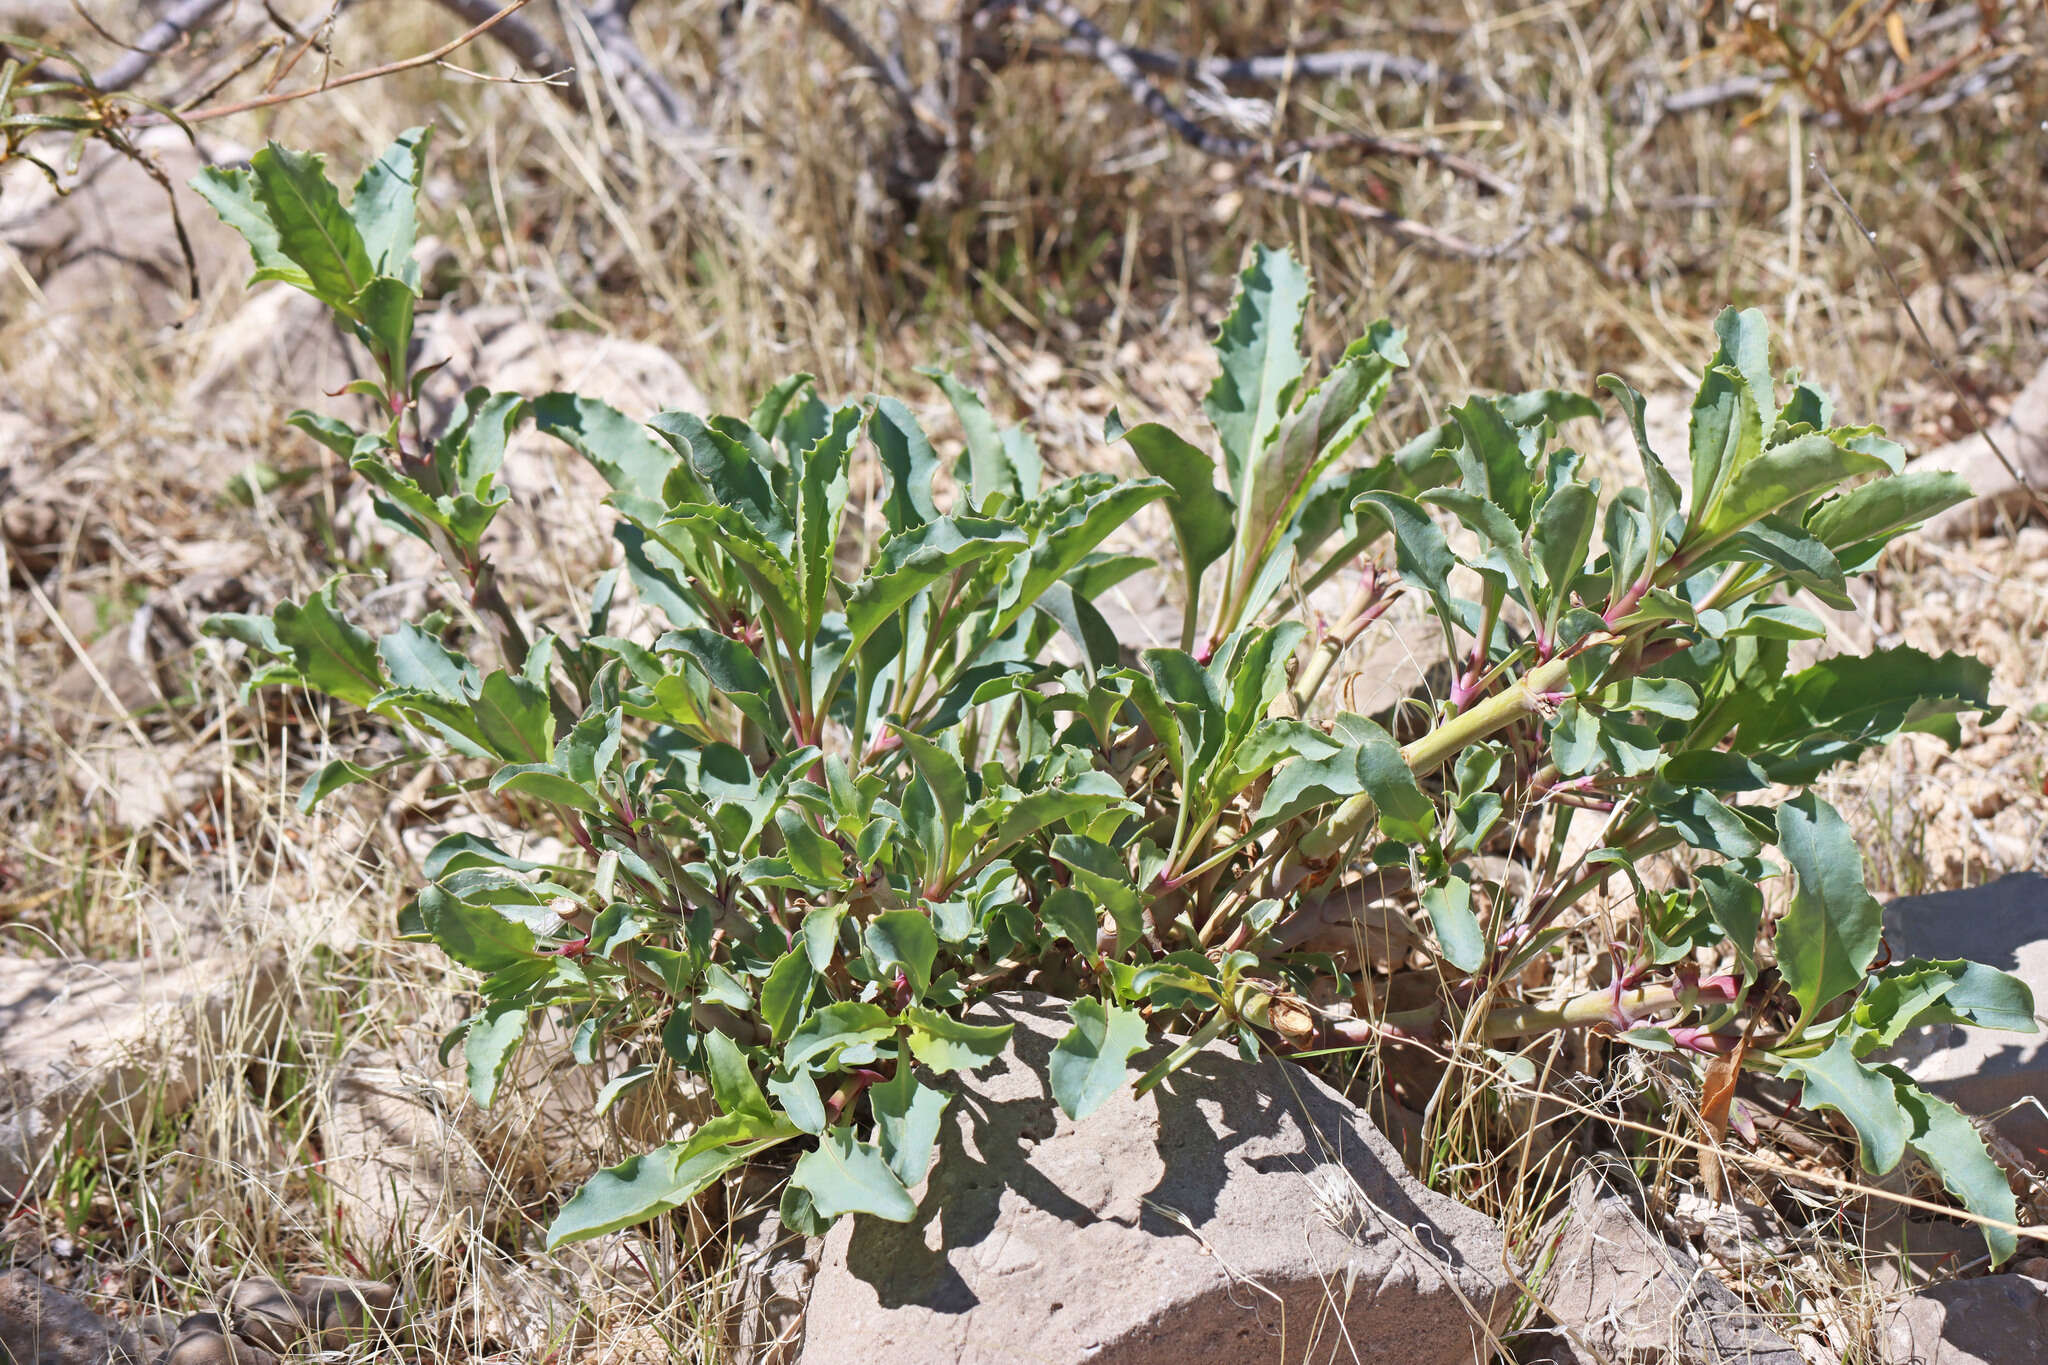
[
  {"x": 383, "y": 205},
  {"x": 644, "y": 1187},
  {"x": 1563, "y": 538},
  {"x": 732, "y": 1080},
  {"x": 1100, "y": 873},
  {"x": 914, "y": 561},
  {"x": 944, "y": 1044},
  {"x": 418, "y": 660},
  {"x": 514, "y": 718},
  {"x": 385, "y": 307},
  {"x": 904, "y": 938},
  {"x": 907, "y": 1115},
  {"x": 488, "y": 1045},
  {"x": 1857, "y": 524},
  {"x": 1091, "y": 1062},
  {"x": 1204, "y": 520},
  {"x": 910, "y": 462},
  {"x": 837, "y": 1026},
  {"x": 992, "y": 463},
  {"x": 821, "y": 479},
  {"x": 1865, "y": 1096},
  {"x": 1662, "y": 488},
  {"x": 232, "y": 193},
  {"x": 845, "y": 1175},
  {"x": 1259, "y": 349},
  {"x": 786, "y": 991},
  {"x": 1419, "y": 548},
  {"x": 545, "y": 782},
  {"x": 1450, "y": 913},
  {"x": 1979, "y": 995},
  {"x": 1308, "y": 441},
  {"x": 474, "y": 935},
  {"x": 629, "y": 456},
  {"x": 1781, "y": 478},
  {"x": 1944, "y": 1136},
  {"x": 1841, "y": 706},
  {"x": 1734, "y": 407},
  {"x": 330, "y": 654},
  {"x": 1834, "y": 926},
  {"x": 313, "y": 229}
]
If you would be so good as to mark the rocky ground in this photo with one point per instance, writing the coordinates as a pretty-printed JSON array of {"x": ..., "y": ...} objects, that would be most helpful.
[{"x": 219, "y": 1071}]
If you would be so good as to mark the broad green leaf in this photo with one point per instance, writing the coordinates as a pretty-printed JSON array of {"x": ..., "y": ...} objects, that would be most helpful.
[
  {"x": 1419, "y": 549},
  {"x": 1450, "y": 913},
  {"x": 1092, "y": 1061},
  {"x": 904, "y": 938},
  {"x": 416, "y": 659},
  {"x": 668, "y": 1177},
  {"x": 1563, "y": 538},
  {"x": 1805, "y": 562},
  {"x": 1865, "y": 1096},
  {"x": 1841, "y": 706},
  {"x": 474, "y": 935},
  {"x": 907, "y": 455},
  {"x": 786, "y": 991},
  {"x": 1859, "y": 522},
  {"x": 513, "y": 715},
  {"x": 845, "y": 1175},
  {"x": 1491, "y": 458},
  {"x": 1069, "y": 541},
  {"x": 732, "y": 1080},
  {"x": 1260, "y": 354},
  {"x": 1101, "y": 874},
  {"x": 1944, "y": 1136},
  {"x": 545, "y": 782},
  {"x": 912, "y": 562},
  {"x": 1895, "y": 1000},
  {"x": 232, "y": 193},
  {"x": 488, "y": 1044},
  {"x": 629, "y": 456},
  {"x": 1203, "y": 516},
  {"x": 383, "y": 205},
  {"x": 330, "y": 654},
  {"x": 907, "y": 1115},
  {"x": 1980, "y": 995},
  {"x": 1308, "y": 441},
  {"x": 313, "y": 229},
  {"x": 385, "y": 307},
  {"x": 1782, "y": 478},
  {"x": 1734, "y": 406},
  {"x": 1834, "y": 926},
  {"x": 836, "y": 1026},
  {"x": 944, "y": 1043}
]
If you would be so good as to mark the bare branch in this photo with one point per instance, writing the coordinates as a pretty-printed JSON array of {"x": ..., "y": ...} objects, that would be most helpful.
[
  {"x": 1117, "y": 60},
  {"x": 527, "y": 44},
  {"x": 160, "y": 38}
]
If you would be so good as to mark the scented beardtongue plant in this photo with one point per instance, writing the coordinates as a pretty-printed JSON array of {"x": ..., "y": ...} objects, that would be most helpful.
[{"x": 869, "y": 768}]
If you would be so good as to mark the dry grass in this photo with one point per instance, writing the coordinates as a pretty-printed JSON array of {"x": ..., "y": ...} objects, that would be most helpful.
[{"x": 1082, "y": 266}]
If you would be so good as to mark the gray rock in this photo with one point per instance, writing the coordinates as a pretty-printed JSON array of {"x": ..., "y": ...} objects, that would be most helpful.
[
  {"x": 1997, "y": 1320},
  {"x": 1240, "y": 1212},
  {"x": 42, "y": 1325},
  {"x": 1630, "y": 1296},
  {"x": 2021, "y": 444},
  {"x": 773, "y": 1271},
  {"x": 1984, "y": 1071},
  {"x": 106, "y": 1044}
]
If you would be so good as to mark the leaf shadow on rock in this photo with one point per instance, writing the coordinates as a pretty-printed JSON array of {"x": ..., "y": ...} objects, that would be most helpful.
[{"x": 1212, "y": 1106}]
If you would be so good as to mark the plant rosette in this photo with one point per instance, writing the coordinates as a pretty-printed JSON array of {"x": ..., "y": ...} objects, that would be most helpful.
[{"x": 866, "y": 769}]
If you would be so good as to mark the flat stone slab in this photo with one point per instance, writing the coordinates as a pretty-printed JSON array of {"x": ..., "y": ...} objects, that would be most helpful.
[
  {"x": 1240, "y": 1212},
  {"x": 100, "y": 1046},
  {"x": 1629, "y": 1295},
  {"x": 1996, "y": 1320},
  {"x": 1984, "y": 1071}
]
